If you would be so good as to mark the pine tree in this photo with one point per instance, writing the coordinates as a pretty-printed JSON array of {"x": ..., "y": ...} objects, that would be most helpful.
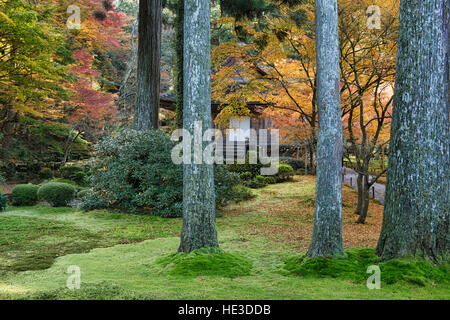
[
  {"x": 199, "y": 220},
  {"x": 327, "y": 234},
  {"x": 417, "y": 203},
  {"x": 146, "y": 109}
]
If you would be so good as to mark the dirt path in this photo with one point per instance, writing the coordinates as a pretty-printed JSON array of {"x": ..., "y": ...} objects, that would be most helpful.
[{"x": 350, "y": 178}]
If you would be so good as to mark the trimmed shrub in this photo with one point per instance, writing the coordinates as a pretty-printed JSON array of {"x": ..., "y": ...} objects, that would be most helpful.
[
  {"x": 246, "y": 176},
  {"x": 46, "y": 173},
  {"x": 285, "y": 172},
  {"x": 56, "y": 193},
  {"x": 3, "y": 201},
  {"x": 25, "y": 195},
  {"x": 255, "y": 183},
  {"x": 270, "y": 180}
]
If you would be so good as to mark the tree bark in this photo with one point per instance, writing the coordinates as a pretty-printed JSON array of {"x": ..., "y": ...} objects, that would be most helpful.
[
  {"x": 146, "y": 109},
  {"x": 199, "y": 219},
  {"x": 179, "y": 34},
  {"x": 417, "y": 208},
  {"x": 327, "y": 233}
]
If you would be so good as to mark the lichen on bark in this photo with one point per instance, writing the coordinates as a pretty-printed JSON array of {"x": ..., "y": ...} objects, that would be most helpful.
[{"x": 417, "y": 203}]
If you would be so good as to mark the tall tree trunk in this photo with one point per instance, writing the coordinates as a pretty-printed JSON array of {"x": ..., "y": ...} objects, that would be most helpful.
[
  {"x": 199, "y": 218},
  {"x": 417, "y": 208},
  {"x": 146, "y": 109},
  {"x": 359, "y": 185},
  {"x": 327, "y": 234},
  {"x": 179, "y": 34},
  {"x": 364, "y": 201}
]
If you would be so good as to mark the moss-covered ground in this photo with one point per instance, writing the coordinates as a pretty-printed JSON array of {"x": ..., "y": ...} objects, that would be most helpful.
[{"x": 262, "y": 242}]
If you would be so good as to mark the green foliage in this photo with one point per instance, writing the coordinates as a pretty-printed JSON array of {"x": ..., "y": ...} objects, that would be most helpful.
[
  {"x": 256, "y": 182},
  {"x": 354, "y": 263},
  {"x": 246, "y": 176},
  {"x": 69, "y": 172},
  {"x": 25, "y": 195},
  {"x": 3, "y": 201},
  {"x": 134, "y": 171},
  {"x": 46, "y": 173},
  {"x": 80, "y": 178},
  {"x": 270, "y": 180},
  {"x": 285, "y": 172},
  {"x": 2, "y": 180},
  {"x": 224, "y": 183},
  {"x": 83, "y": 193},
  {"x": 56, "y": 193},
  {"x": 62, "y": 180},
  {"x": 29, "y": 42},
  {"x": 206, "y": 262},
  {"x": 253, "y": 169},
  {"x": 242, "y": 193}
]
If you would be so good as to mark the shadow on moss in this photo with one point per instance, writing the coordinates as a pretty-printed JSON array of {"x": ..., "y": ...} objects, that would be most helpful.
[
  {"x": 354, "y": 263},
  {"x": 206, "y": 262}
]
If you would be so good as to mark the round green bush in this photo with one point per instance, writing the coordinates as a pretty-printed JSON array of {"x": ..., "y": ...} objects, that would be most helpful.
[
  {"x": 285, "y": 172},
  {"x": 25, "y": 195},
  {"x": 270, "y": 180},
  {"x": 56, "y": 193}
]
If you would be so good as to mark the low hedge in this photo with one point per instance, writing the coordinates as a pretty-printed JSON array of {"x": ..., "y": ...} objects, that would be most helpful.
[{"x": 57, "y": 194}]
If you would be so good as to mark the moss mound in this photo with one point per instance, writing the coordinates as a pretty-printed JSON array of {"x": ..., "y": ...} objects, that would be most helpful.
[
  {"x": 354, "y": 263},
  {"x": 206, "y": 262}
]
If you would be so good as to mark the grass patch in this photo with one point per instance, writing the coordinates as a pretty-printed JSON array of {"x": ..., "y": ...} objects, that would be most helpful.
[
  {"x": 206, "y": 262},
  {"x": 353, "y": 265}
]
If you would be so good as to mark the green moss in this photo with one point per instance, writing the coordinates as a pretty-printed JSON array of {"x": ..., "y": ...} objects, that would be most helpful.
[
  {"x": 206, "y": 262},
  {"x": 88, "y": 291},
  {"x": 354, "y": 266}
]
